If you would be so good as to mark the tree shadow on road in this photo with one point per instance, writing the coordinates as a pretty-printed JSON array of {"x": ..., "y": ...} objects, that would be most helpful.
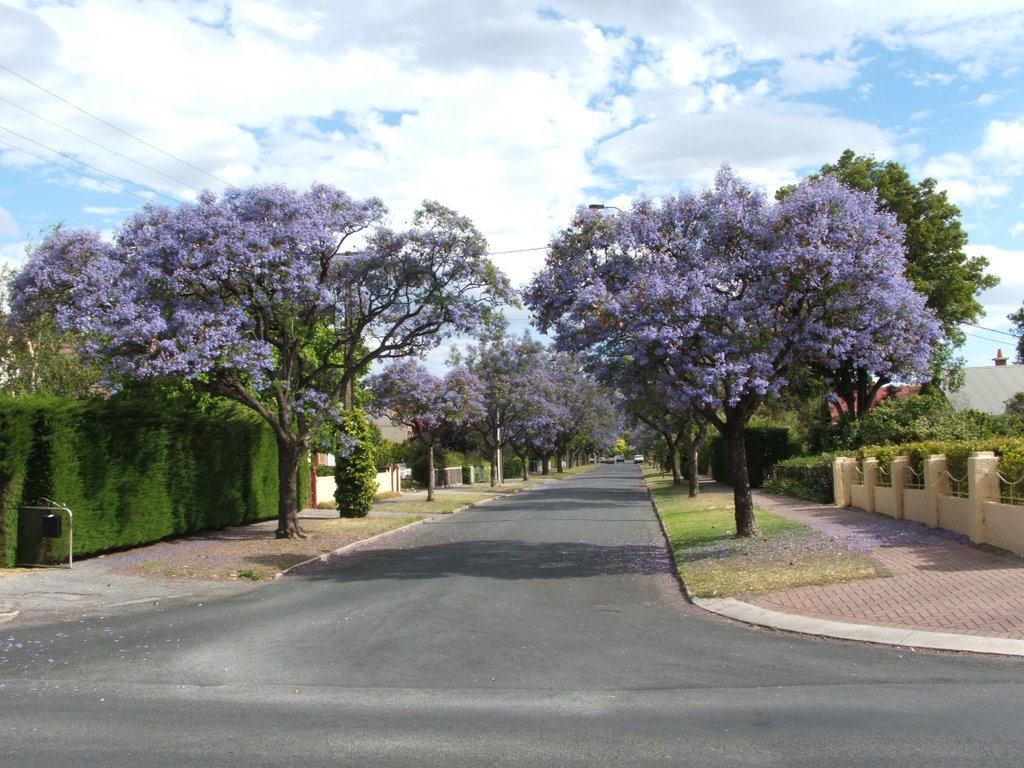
[{"x": 501, "y": 559}]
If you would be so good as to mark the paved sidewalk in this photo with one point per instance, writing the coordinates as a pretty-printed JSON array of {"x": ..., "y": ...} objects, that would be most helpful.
[{"x": 944, "y": 592}]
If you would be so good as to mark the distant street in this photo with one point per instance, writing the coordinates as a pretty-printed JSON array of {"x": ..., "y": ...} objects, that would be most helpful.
[{"x": 544, "y": 629}]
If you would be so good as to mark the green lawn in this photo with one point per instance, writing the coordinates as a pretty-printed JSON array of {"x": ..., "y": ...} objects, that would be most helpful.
[{"x": 713, "y": 562}]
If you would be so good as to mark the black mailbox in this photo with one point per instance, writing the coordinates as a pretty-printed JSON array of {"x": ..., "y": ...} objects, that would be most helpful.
[{"x": 51, "y": 526}]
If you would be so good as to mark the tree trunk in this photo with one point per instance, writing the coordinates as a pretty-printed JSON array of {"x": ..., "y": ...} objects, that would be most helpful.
[
  {"x": 525, "y": 459},
  {"x": 693, "y": 468},
  {"x": 672, "y": 449},
  {"x": 693, "y": 445},
  {"x": 744, "y": 501},
  {"x": 558, "y": 464},
  {"x": 545, "y": 464},
  {"x": 289, "y": 454},
  {"x": 430, "y": 472}
]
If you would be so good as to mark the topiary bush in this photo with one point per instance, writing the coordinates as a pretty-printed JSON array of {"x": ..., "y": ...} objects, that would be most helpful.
[{"x": 355, "y": 471}]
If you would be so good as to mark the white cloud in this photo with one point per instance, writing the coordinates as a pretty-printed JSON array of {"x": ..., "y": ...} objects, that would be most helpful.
[
  {"x": 8, "y": 226},
  {"x": 767, "y": 146},
  {"x": 13, "y": 254},
  {"x": 807, "y": 75},
  {"x": 1004, "y": 145},
  {"x": 268, "y": 18},
  {"x": 966, "y": 178},
  {"x": 496, "y": 109},
  {"x": 109, "y": 210},
  {"x": 1008, "y": 265}
]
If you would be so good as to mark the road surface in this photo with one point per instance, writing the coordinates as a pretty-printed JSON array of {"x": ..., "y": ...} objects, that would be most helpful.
[{"x": 545, "y": 629}]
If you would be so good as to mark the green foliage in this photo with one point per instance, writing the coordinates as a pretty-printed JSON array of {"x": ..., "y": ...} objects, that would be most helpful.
[
  {"x": 132, "y": 472},
  {"x": 804, "y": 477},
  {"x": 766, "y": 446},
  {"x": 512, "y": 466},
  {"x": 922, "y": 418},
  {"x": 1015, "y": 407},
  {"x": 389, "y": 453},
  {"x": 355, "y": 472},
  {"x": 1010, "y": 451},
  {"x": 38, "y": 359},
  {"x": 935, "y": 239},
  {"x": 1017, "y": 319}
]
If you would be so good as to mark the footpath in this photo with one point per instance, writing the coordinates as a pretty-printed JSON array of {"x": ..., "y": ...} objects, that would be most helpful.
[{"x": 944, "y": 592}]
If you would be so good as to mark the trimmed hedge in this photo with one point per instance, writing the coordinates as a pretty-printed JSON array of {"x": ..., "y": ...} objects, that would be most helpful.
[
  {"x": 131, "y": 472},
  {"x": 804, "y": 477},
  {"x": 766, "y": 446},
  {"x": 1010, "y": 451}
]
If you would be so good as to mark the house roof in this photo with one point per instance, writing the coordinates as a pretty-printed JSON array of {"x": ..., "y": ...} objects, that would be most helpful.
[{"x": 988, "y": 388}]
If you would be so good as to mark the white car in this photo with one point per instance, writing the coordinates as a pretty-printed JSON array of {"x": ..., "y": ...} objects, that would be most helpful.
[{"x": 638, "y": 459}]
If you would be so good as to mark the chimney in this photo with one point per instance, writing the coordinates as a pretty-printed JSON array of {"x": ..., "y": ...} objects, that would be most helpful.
[{"x": 1000, "y": 358}]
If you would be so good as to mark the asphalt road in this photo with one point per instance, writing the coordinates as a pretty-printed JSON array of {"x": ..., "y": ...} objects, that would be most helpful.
[{"x": 545, "y": 629}]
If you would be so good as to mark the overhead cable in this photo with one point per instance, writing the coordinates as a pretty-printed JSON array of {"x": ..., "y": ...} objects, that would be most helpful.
[{"x": 115, "y": 127}]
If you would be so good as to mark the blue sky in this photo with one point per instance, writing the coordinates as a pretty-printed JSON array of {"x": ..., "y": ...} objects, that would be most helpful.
[{"x": 514, "y": 113}]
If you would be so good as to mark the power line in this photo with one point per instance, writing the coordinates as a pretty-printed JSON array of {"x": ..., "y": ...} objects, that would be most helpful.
[
  {"x": 985, "y": 338},
  {"x": 994, "y": 330},
  {"x": 115, "y": 127},
  {"x": 75, "y": 170},
  {"x": 519, "y": 250},
  {"x": 76, "y": 160},
  {"x": 101, "y": 146}
]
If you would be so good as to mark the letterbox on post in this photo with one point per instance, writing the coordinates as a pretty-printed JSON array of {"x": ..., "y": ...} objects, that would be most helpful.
[
  {"x": 51, "y": 523},
  {"x": 51, "y": 526}
]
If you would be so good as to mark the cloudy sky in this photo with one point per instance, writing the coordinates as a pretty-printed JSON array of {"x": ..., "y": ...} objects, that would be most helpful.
[{"x": 514, "y": 113}]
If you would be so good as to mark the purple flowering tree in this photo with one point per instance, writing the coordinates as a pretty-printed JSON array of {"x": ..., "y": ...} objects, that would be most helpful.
[
  {"x": 648, "y": 399},
  {"x": 586, "y": 416},
  {"x": 507, "y": 368},
  {"x": 434, "y": 408},
  {"x": 272, "y": 298},
  {"x": 733, "y": 297}
]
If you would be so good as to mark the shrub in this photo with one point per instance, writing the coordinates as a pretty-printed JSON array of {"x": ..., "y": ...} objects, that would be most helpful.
[
  {"x": 806, "y": 477},
  {"x": 355, "y": 473}
]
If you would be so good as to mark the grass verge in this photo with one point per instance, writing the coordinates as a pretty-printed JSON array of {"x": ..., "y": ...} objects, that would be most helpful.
[
  {"x": 714, "y": 563},
  {"x": 253, "y": 554}
]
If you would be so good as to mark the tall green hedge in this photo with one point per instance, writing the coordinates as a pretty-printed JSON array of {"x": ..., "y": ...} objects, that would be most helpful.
[
  {"x": 765, "y": 447},
  {"x": 131, "y": 472}
]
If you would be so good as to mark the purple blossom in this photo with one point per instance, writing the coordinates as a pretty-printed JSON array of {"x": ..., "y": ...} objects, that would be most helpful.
[
  {"x": 729, "y": 297},
  {"x": 265, "y": 296}
]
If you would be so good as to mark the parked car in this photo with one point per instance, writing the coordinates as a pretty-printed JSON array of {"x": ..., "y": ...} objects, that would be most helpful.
[
  {"x": 619, "y": 458},
  {"x": 638, "y": 459}
]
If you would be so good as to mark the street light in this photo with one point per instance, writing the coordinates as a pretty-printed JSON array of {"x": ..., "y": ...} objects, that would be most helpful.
[{"x": 602, "y": 206}]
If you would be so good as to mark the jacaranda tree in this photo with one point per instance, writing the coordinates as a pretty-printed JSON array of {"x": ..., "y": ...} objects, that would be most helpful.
[
  {"x": 506, "y": 367},
  {"x": 733, "y": 297},
  {"x": 434, "y": 408},
  {"x": 266, "y": 296}
]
